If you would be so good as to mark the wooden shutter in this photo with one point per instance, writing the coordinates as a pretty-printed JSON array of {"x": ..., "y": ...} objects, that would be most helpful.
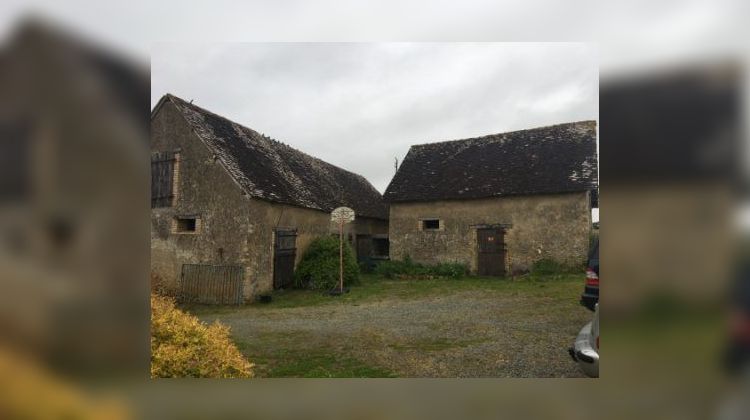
[{"x": 162, "y": 177}]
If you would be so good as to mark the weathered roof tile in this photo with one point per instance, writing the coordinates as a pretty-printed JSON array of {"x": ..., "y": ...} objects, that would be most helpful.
[
  {"x": 273, "y": 171},
  {"x": 554, "y": 159}
]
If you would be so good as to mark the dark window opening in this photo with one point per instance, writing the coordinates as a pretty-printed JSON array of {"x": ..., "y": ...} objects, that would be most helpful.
[
  {"x": 284, "y": 255},
  {"x": 15, "y": 159},
  {"x": 431, "y": 224},
  {"x": 187, "y": 224},
  {"x": 380, "y": 247},
  {"x": 162, "y": 178}
]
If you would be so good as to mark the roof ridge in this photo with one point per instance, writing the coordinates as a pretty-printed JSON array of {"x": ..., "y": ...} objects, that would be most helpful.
[{"x": 488, "y": 136}]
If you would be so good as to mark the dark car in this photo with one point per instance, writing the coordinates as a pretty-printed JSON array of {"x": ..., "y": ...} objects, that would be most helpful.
[
  {"x": 590, "y": 296},
  {"x": 737, "y": 355}
]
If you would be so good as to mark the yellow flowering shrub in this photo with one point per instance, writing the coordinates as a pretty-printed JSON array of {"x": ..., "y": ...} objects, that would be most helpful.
[
  {"x": 30, "y": 391},
  {"x": 183, "y": 346}
]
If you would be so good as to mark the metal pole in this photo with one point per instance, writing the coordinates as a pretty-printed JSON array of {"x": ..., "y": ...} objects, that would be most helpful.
[{"x": 341, "y": 256}]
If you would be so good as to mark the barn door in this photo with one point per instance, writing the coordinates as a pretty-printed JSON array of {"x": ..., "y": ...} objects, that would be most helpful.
[
  {"x": 491, "y": 252},
  {"x": 285, "y": 251}
]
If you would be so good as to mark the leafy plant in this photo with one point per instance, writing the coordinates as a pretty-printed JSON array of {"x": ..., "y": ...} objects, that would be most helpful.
[
  {"x": 454, "y": 270},
  {"x": 182, "y": 346},
  {"x": 319, "y": 268}
]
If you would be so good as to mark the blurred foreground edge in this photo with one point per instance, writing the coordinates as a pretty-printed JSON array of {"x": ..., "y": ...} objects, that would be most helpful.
[
  {"x": 673, "y": 176},
  {"x": 73, "y": 201}
]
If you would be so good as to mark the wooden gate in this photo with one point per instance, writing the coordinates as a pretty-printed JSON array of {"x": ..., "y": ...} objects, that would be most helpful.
[
  {"x": 285, "y": 251},
  {"x": 491, "y": 252},
  {"x": 212, "y": 284}
]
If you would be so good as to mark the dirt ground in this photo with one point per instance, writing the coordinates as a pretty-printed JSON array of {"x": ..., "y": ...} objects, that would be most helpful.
[{"x": 458, "y": 328}]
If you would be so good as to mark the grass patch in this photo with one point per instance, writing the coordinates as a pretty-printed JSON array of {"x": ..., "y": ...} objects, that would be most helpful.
[
  {"x": 373, "y": 287},
  {"x": 435, "y": 344},
  {"x": 534, "y": 304},
  {"x": 292, "y": 356},
  {"x": 549, "y": 267},
  {"x": 326, "y": 366}
]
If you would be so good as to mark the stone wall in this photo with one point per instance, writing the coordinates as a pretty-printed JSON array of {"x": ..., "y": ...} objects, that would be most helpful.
[
  {"x": 203, "y": 189},
  {"x": 233, "y": 229},
  {"x": 539, "y": 226}
]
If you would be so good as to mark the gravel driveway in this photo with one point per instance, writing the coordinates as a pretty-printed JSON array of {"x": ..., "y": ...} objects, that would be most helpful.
[{"x": 471, "y": 333}]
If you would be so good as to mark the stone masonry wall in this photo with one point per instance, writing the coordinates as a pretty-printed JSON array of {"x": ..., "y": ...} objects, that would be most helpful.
[
  {"x": 203, "y": 189},
  {"x": 540, "y": 226},
  {"x": 233, "y": 228}
]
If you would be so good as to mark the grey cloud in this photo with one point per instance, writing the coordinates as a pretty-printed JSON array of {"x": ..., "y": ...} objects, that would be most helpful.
[{"x": 360, "y": 105}]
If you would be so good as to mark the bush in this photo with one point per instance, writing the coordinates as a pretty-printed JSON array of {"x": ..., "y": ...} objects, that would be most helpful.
[
  {"x": 319, "y": 268},
  {"x": 182, "y": 346},
  {"x": 30, "y": 390},
  {"x": 408, "y": 268},
  {"x": 386, "y": 269}
]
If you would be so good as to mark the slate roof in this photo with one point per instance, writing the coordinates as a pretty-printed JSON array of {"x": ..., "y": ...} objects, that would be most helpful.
[
  {"x": 270, "y": 170},
  {"x": 554, "y": 159}
]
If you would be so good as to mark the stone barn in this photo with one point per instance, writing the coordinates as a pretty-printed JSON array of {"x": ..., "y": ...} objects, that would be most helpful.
[
  {"x": 497, "y": 203},
  {"x": 233, "y": 211}
]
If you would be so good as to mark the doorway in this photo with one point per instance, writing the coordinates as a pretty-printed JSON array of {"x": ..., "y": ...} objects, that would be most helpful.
[
  {"x": 285, "y": 251},
  {"x": 491, "y": 252}
]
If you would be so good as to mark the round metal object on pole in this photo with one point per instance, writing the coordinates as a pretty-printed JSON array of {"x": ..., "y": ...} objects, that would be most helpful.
[{"x": 342, "y": 214}]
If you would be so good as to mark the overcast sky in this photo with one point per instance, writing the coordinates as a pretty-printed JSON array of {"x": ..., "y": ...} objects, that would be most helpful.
[{"x": 359, "y": 106}]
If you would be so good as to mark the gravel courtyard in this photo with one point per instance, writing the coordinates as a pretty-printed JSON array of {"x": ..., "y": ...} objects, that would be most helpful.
[{"x": 470, "y": 327}]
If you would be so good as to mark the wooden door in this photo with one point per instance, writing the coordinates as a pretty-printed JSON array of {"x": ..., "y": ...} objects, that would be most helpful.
[
  {"x": 285, "y": 251},
  {"x": 491, "y": 252}
]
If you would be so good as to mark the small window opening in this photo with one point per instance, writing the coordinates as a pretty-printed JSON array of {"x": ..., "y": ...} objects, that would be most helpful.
[
  {"x": 187, "y": 224},
  {"x": 431, "y": 224}
]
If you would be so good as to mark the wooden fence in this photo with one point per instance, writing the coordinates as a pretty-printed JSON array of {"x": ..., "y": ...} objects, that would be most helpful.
[{"x": 212, "y": 284}]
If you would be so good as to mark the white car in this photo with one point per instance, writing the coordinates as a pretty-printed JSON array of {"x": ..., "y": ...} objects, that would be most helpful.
[{"x": 585, "y": 351}]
